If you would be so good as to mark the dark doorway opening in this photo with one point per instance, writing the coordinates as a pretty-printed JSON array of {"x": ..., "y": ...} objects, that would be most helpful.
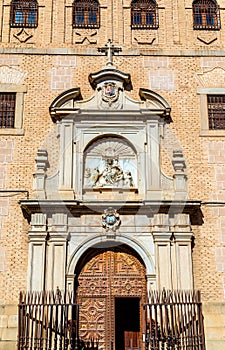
[{"x": 127, "y": 322}]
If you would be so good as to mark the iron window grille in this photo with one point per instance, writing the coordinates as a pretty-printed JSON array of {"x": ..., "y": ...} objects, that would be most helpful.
[
  {"x": 206, "y": 14},
  {"x": 24, "y": 13},
  {"x": 86, "y": 14},
  {"x": 216, "y": 111},
  {"x": 7, "y": 109},
  {"x": 144, "y": 14}
]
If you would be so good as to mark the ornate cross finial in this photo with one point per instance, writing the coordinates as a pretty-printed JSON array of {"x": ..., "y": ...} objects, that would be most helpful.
[{"x": 109, "y": 50}]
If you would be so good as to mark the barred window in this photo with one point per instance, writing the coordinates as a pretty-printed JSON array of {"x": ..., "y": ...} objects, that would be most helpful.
[
  {"x": 144, "y": 14},
  {"x": 216, "y": 111},
  {"x": 206, "y": 14},
  {"x": 86, "y": 14},
  {"x": 7, "y": 109},
  {"x": 24, "y": 13}
]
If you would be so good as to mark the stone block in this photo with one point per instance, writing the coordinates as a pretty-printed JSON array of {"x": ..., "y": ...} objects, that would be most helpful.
[
  {"x": 12, "y": 321},
  {"x": 10, "y": 310},
  {"x": 215, "y": 345},
  {"x": 3, "y": 321},
  {"x": 9, "y": 334},
  {"x": 216, "y": 320},
  {"x": 215, "y": 333},
  {"x": 8, "y": 345},
  {"x": 2, "y": 309}
]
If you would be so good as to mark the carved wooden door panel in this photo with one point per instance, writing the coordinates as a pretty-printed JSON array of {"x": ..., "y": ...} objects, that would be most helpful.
[{"x": 108, "y": 275}]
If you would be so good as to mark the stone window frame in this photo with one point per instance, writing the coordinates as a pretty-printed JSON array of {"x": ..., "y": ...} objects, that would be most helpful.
[
  {"x": 20, "y": 90},
  {"x": 203, "y": 93}
]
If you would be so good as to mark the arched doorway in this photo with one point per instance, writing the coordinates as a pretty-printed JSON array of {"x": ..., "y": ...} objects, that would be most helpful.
[{"x": 111, "y": 288}]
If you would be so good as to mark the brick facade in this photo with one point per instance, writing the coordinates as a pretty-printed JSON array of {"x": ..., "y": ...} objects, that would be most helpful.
[{"x": 171, "y": 60}]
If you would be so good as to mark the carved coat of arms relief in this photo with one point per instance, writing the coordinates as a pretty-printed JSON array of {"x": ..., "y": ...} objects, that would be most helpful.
[{"x": 110, "y": 95}]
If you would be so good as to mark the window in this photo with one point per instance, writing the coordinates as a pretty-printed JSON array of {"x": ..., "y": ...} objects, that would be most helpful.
[
  {"x": 216, "y": 111},
  {"x": 11, "y": 109},
  {"x": 206, "y": 14},
  {"x": 7, "y": 109},
  {"x": 86, "y": 14},
  {"x": 144, "y": 14},
  {"x": 24, "y": 13}
]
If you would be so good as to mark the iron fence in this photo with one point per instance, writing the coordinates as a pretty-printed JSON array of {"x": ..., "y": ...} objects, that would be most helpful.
[
  {"x": 174, "y": 320},
  {"x": 48, "y": 321}
]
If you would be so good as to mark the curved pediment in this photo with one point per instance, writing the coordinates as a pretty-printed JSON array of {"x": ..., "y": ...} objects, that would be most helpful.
[
  {"x": 110, "y": 96},
  {"x": 156, "y": 102}
]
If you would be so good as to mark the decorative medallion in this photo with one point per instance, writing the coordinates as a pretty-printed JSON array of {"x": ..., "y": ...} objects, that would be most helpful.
[
  {"x": 110, "y": 92},
  {"x": 111, "y": 219}
]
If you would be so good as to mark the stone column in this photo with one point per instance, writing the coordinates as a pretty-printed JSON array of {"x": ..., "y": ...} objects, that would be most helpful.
[
  {"x": 162, "y": 239},
  {"x": 66, "y": 159},
  {"x": 153, "y": 161},
  {"x": 57, "y": 252},
  {"x": 182, "y": 243},
  {"x": 37, "y": 252}
]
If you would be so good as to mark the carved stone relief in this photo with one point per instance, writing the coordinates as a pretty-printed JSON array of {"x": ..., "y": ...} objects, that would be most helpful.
[
  {"x": 110, "y": 163},
  {"x": 110, "y": 95}
]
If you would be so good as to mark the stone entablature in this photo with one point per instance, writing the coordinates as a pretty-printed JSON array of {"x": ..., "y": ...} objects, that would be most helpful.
[{"x": 67, "y": 229}]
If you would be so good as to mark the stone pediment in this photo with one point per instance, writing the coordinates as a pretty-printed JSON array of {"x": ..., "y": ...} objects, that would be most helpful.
[{"x": 110, "y": 94}]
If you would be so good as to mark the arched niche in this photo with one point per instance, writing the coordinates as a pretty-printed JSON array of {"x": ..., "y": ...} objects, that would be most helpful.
[{"x": 110, "y": 162}]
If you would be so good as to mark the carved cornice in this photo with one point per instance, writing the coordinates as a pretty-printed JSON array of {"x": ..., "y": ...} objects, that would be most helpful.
[{"x": 146, "y": 207}]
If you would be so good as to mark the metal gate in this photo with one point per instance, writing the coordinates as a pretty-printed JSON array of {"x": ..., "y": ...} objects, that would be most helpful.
[
  {"x": 174, "y": 320},
  {"x": 48, "y": 321}
]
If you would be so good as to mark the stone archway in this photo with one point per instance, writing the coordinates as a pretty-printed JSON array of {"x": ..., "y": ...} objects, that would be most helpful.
[{"x": 111, "y": 282}]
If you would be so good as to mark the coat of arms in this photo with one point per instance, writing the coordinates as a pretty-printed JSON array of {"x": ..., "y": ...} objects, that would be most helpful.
[
  {"x": 110, "y": 219},
  {"x": 109, "y": 92}
]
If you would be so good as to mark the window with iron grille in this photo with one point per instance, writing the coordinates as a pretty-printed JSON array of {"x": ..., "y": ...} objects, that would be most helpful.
[
  {"x": 144, "y": 14},
  {"x": 206, "y": 14},
  {"x": 216, "y": 111},
  {"x": 86, "y": 14},
  {"x": 24, "y": 13},
  {"x": 7, "y": 109}
]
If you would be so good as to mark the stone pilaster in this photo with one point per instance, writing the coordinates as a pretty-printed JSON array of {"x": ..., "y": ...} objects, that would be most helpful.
[
  {"x": 37, "y": 252},
  {"x": 183, "y": 254},
  {"x": 57, "y": 252},
  {"x": 162, "y": 239},
  {"x": 151, "y": 282},
  {"x": 153, "y": 161},
  {"x": 66, "y": 159}
]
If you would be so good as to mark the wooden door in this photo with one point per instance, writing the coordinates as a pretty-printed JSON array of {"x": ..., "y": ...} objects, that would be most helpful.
[
  {"x": 131, "y": 340},
  {"x": 105, "y": 276}
]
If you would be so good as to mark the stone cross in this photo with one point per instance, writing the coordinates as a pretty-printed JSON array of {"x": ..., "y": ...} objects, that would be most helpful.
[{"x": 109, "y": 50}]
